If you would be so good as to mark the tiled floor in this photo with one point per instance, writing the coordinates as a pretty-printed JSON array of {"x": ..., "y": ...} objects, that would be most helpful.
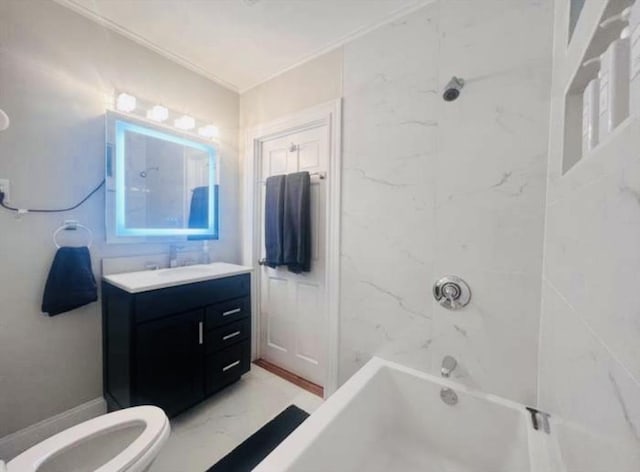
[{"x": 204, "y": 434}]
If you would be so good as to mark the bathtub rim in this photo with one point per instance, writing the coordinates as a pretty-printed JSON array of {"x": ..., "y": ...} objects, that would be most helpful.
[{"x": 290, "y": 450}]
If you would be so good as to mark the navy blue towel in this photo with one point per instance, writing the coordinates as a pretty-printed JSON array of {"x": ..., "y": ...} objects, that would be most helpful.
[
  {"x": 199, "y": 209},
  {"x": 70, "y": 283},
  {"x": 274, "y": 220},
  {"x": 297, "y": 222}
]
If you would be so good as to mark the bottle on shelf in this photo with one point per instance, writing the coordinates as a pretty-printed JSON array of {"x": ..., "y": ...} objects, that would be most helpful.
[
  {"x": 634, "y": 72},
  {"x": 590, "y": 115},
  {"x": 615, "y": 67}
]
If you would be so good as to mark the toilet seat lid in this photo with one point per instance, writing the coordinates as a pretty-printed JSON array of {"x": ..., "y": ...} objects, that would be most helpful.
[{"x": 156, "y": 427}]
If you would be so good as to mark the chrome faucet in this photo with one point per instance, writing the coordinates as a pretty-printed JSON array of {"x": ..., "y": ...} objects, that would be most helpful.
[
  {"x": 206, "y": 258},
  {"x": 173, "y": 255},
  {"x": 449, "y": 364}
]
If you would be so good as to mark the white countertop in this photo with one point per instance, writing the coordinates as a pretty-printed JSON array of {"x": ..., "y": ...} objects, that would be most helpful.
[{"x": 143, "y": 281}]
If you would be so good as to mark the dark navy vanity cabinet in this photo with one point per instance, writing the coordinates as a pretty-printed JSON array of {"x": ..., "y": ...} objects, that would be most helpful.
[{"x": 175, "y": 346}]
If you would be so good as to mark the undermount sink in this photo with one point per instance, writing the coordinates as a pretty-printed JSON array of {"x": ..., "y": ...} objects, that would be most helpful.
[{"x": 143, "y": 281}]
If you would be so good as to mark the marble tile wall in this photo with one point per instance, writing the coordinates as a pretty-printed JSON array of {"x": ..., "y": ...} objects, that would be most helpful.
[
  {"x": 432, "y": 188},
  {"x": 490, "y": 189},
  {"x": 389, "y": 158},
  {"x": 589, "y": 370}
]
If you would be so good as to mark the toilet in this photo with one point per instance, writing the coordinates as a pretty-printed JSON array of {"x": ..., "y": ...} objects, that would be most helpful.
[{"x": 123, "y": 441}]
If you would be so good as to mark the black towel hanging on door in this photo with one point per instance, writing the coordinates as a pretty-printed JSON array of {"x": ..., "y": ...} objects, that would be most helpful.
[
  {"x": 274, "y": 221},
  {"x": 297, "y": 222}
]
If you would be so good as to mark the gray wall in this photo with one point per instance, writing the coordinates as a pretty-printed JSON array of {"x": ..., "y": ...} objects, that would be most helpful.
[{"x": 56, "y": 68}]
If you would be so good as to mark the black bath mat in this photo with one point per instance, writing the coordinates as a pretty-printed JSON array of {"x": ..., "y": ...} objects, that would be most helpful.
[{"x": 259, "y": 445}]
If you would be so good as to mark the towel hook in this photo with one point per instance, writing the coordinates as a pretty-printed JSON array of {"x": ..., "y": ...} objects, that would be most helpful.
[{"x": 72, "y": 225}]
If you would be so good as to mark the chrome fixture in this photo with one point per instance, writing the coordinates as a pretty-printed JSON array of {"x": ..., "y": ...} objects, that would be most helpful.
[
  {"x": 452, "y": 89},
  {"x": 539, "y": 419},
  {"x": 449, "y": 364},
  {"x": 173, "y": 255},
  {"x": 452, "y": 292},
  {"x": 145, "y": 172},
  {"x": 205, "y": 257},
  {"x": 447, "y": 395},
  {"x": 72, "y": 225}
]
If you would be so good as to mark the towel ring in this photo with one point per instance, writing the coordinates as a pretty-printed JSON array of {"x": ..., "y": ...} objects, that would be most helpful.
[{"x": 72, "y": 225}]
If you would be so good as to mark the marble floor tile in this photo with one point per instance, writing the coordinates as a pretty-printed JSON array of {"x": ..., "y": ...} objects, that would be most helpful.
[{"x": 206, "y": 433}]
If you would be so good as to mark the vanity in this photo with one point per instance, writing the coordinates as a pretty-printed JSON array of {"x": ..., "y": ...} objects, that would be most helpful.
[{"x": 173, "y": 337}]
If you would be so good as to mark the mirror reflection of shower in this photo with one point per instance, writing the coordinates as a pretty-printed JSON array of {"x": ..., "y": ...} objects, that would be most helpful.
[{"x": 145, "y": 172}]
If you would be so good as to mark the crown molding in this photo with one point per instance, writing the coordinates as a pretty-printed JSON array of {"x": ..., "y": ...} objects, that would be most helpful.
[
  {"x": 393, "y": 16},
  {"x": 178, "y": 59},
  {"x": 182, "y": 61}
]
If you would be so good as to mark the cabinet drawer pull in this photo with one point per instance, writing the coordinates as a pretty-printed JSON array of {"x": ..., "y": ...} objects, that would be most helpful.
[
  {"x": 200, "y": 336},
  {"x": 229, "y": 336},
  {"x": 232, "y": 312},
  {"x": 230, "y": 366}
]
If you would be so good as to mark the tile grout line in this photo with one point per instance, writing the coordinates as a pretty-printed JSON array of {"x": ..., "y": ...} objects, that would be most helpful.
[{"x": 593, "y": 333}]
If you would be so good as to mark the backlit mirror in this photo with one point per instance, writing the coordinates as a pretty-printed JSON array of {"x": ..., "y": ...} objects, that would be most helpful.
[{"x": 161, "y": 184}]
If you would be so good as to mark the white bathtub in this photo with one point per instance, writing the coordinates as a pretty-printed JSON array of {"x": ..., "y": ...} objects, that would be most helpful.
[{"x": 388, "y": 417}]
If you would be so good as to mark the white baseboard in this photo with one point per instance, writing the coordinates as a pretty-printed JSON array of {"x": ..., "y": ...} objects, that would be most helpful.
[{"x": 15, "y": 443}]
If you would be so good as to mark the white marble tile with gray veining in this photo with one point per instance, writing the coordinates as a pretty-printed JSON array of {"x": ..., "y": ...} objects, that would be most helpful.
[{"x": 595, "y": 399}]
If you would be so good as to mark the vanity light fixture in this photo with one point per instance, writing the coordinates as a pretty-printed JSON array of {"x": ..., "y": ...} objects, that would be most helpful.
[
  {"x": 209, "y": 131},
  {"x": 185, "y": 122},
  {"x": 158, "y": 113},
  {"x": 126, "y": 102},
  {"x": 147, "y": 110}
]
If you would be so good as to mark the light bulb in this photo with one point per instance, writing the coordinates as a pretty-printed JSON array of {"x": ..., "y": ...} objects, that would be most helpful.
[
  {"x": 185, "y": 122},
  {"x": 209, "y": 131},
  {"x": 126, "y": 102},
  {"x": 158, "y": 113}
]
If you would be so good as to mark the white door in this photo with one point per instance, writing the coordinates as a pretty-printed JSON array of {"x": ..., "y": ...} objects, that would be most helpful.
[{"x": 293, "y": 322}]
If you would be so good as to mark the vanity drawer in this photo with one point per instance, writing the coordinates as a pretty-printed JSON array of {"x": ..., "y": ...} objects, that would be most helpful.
[
  {"x": 227, "y": 335},
  {"x": 167, "y": 301},
  {"x": 227, "y": 312},
  {"x": 226, "y": 366}
]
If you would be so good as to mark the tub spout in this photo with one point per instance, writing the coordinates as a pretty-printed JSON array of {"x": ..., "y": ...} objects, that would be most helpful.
[{"x": 449, "y": 364}]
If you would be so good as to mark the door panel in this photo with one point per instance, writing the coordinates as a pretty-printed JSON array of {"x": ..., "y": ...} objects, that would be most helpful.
[
  {"x": 279, "y": 328},
  {"x": 292, "y": 306},
  {"x": 309, "y": 155},
  {"x": 169, "y": 360},
  {"x": 308, "y": 345},
  {"x": 277, "y": 161}
]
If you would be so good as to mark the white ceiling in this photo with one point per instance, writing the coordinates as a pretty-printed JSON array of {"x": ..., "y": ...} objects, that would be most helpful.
[{"x": 241, "y": 43}]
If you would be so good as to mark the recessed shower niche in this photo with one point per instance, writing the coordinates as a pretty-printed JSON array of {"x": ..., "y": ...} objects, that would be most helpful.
[{"x": 595, "y": 77}]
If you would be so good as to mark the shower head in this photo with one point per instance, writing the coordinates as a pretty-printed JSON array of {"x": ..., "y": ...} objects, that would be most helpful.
[
  {"x": 452, "y": 89},
  {"x": 145, "y": 172}
]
